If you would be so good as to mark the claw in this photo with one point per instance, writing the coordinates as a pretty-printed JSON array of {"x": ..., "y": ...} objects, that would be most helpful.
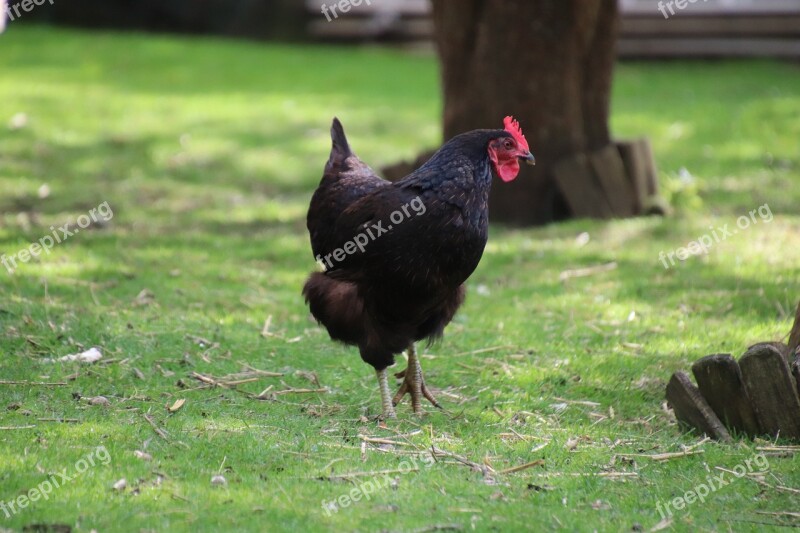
[{"x": 414, "y": 384}]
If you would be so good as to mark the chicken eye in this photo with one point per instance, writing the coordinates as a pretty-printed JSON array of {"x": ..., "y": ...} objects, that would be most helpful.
[{"x": 508, "y": 144}]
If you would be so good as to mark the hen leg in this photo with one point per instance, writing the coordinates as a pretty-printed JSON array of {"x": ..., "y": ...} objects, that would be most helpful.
[
  {"x": 414, "y": 384},
  {"x": 386, "y": 395}
]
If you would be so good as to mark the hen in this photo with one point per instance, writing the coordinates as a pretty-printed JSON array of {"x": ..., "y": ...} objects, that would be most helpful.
[{"x": 396, "y": 255}]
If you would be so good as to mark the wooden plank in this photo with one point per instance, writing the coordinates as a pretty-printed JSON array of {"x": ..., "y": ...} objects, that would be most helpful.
[
  {"x": 359, "y": 28},
  {"x": 635, "y": 170},
  {"x": 794, "y": 344},
  {"x": 720, "y": 382},
  {"x": 419, "y": 8},
  {"x": 691, "y": 409},
  {"x": 711, "y": 7},
  {"x": 794, "y": 334},
  {"x": 610, "y": 171},
  {"x": 698, "y": 47},
  {"x": 578, "y": 184},
  {"x": 712, "y": 26},
  {"x": 772, "y": 391},
  {"x": 781, "y": 347}
]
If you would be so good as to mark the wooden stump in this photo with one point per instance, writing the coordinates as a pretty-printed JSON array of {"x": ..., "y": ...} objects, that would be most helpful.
[
  {"x": 772, "y": 391},
  {"x": 720, "y": 382},
  {"x": 692, "y": 410},
  {"x": 758, "y": 396}
]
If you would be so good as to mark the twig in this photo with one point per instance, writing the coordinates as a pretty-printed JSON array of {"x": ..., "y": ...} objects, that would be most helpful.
[
  {"x": 482, "y": 350},
  {"x": 577, "y": 402},
  {"x": 780, "y": 513},
  {"x": 160, "y": 432},
  {"x": 761, "y": 482},
  {"x": 776, "y": 448},
  {"x": 587, "y": 271},
  {"x": 586, "y": 474},
  {"x": 372, "y": 440},
  {"x": 35, "y": 383},
  {"x": 511, "y": 470},
  {"x": 375, "y": 473},
  {"x": 439, "y": 527},
  {"x": 484, "y": 469},
  {"x": 663, "y": 456},
  {"x": 64, "y": 420},
  {"x": 240, "y": 382},
  {"x": 261, "y": 372},
  {"x": 299, "y": 391},
  {"x": 8, "y": 428}
]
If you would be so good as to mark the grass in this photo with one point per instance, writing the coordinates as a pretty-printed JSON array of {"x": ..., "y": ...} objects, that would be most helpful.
[{"x": 207, "y": 152}]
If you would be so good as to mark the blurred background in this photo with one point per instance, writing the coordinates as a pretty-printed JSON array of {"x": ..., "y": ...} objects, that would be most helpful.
[{"x": 565, "y": 58}]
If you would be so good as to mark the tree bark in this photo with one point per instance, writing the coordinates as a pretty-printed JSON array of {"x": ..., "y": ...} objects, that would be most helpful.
[{"x": 547, "y": 62}]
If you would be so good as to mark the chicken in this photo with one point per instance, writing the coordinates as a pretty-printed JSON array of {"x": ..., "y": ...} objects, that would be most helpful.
[{"x": 396, "y": 255}]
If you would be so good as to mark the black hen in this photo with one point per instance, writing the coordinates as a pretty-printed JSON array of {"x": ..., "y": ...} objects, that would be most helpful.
[{"x": 396, "y": 255}]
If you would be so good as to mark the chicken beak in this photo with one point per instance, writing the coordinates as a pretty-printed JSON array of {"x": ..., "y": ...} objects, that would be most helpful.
[{"x": 528, "y": 158}]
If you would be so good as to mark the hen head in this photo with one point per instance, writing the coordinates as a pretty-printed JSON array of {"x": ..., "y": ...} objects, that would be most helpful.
[{"x": 506, "y": 152}]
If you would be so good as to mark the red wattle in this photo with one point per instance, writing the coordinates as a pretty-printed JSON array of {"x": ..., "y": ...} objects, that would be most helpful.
[{"x": 508, "y": 170}]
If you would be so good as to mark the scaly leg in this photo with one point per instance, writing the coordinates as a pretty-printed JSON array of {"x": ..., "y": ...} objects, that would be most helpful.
[
  {"x": 414, "y": 384},
  {"x": 386, "y": 395}
]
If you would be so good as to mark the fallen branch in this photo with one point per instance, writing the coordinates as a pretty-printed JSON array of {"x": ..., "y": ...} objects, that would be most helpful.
[{"x": 9, "y": 428}]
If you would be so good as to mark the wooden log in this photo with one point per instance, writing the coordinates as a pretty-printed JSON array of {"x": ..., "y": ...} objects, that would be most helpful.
[
  {"x": 580, "y": 188},
  {"x": 612, "y": 176},
  {"x": 720, "y": 382},
  {"x": 692, "y": 410},
  {"x": 772, "y": 391}
]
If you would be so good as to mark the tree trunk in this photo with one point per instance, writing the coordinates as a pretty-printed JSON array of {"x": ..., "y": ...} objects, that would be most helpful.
[{"x": 547, "y": 62}]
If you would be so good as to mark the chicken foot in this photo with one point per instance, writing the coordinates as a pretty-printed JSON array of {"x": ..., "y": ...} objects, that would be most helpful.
[{"x": 414, "y": 384}]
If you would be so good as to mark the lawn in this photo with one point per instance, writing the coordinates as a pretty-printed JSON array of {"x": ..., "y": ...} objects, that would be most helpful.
[{"x": 205, "y": 154}]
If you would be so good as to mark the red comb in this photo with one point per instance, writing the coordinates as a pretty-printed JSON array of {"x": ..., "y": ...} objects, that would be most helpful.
[{"x": 512, "y": 126}]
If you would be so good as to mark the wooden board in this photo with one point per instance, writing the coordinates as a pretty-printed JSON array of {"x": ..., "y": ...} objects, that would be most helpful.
[
  {"x": 794, "y": 334},
  {"x": 582, "y": 192},
  {"x": 636, "y": 170},
  {"x": 781, "y": 347},
  {"x": 794, "y": 344},
  {"x": 711, "y": 26},
  {"x": 699, "y": 47},
  {"x": 692, "y": 410},
  {"x": 611, "y": 173},
  {"x": 720, "y": 382},
  {"x": 772, "y": 391}
]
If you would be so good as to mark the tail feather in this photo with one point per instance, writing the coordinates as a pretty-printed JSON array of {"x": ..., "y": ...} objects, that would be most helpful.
[
  {"x": 337, "y": 306},
  {"x": 340, "y": 148}
]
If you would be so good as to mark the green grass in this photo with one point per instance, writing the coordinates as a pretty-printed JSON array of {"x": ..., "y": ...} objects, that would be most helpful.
[{"x": 207, "y": 151}]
